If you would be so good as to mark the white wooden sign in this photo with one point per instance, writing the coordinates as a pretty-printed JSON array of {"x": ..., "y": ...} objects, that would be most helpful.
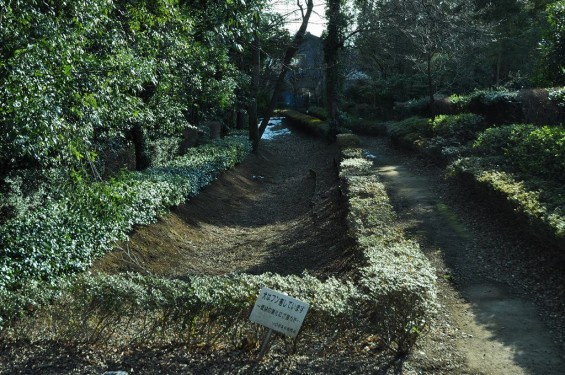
[{"x": 279, "y": 312}]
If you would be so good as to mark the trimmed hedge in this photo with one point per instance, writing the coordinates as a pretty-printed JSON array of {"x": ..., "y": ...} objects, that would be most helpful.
[
  {"x": 522, "y": 165},
  {"x": 541, "y": 211},
  {"x": 129, "y": 308},
  {"x": 347, "y": 123},
  {"x": 496, "y": 106},
  {"x": 460, "y": 128},
  {"x": 539, "y": 106},
  {"x": 318, "y": 112},
  {"x": 408, "y": 131},
  {"x": 397, "y": 277},
  {"x": 392, "y": 300},
  {"x": 367, "y": 127},
  {"x": 528, "y": 149},
  {"x": 306, "y": 123}
]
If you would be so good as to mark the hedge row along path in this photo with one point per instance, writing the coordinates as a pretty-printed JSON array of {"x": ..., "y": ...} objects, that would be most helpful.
[
  {"x": 503, "y": 297},
  {"x": 502, "y": 301}
]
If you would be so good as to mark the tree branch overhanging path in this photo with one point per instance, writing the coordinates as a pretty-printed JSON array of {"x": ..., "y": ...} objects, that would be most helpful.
[{"x": 289, "y": 55}]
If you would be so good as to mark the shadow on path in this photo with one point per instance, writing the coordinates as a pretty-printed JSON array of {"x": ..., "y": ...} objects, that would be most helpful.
[
  {"x": 500, "y": 332},
  {"x": 279, "y": 211}
]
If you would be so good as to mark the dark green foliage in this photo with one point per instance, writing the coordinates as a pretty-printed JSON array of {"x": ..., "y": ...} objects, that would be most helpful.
[
  {"x": 495, "y": 141},
  {"x": 85, "y": 81},
  {"x": 412, "y": 127},
  {"x": 69, "y": 226},
  {"x": 367, "y": 127},
  {"x": 318, "y": 112},
  {"x": 510, "y": 57},
  {"x": 460, "y": 128},
  {"x": 499, "y": 106},
  {"x": 553, "y": 45},
  {"x": 413, "y": 107},
  {"x": 528, "y": 149},
  {"x": 76, "y": 74}
]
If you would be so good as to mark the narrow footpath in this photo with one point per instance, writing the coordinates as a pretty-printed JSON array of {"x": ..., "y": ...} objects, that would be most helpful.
[{"x": 502, "y": 298}]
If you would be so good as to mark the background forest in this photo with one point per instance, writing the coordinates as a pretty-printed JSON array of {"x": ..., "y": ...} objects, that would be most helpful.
[{"x": 416, "y": 49}]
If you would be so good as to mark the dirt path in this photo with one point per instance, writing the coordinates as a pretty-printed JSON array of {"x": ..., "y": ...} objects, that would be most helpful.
[
  {"x": 490, "y": 276},
  {"x": 279, "y": 211}
]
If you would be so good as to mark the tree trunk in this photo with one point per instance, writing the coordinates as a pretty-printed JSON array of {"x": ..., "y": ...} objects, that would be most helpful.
[
  {"x": 498, "y": 65},
  {"x": 430, "y": 85},
  {"x": 240, "y": 119},
  {"x": 331, "y": 50},
  {"x": 254, "y": 135},
  {"x": 142, "y": 159},
  {"x": 290, "y": 52}
]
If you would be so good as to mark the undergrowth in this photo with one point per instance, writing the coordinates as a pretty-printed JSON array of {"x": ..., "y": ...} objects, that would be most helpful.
[
  {"x": 69, "y": 226},
  {"x": 523, "y": 163},
  {"x": 391, "y": 299}
]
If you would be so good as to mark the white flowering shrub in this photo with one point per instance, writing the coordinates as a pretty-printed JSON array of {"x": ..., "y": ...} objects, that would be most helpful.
[
  {"x": 355, "y": 166},
  {"x": 131, "y": 307}
]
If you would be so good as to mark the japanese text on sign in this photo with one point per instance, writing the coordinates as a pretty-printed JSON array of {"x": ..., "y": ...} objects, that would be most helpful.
[{"x": 279, "y": 312}]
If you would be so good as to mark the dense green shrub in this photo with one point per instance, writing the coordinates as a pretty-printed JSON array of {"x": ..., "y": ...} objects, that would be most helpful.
[
  {"x": 367, "y": 127},
  {"x": 462, "y": 102},
  {"x": 531, "y": 150},
  {"x": 412, "y": 126},
  {"x": 541, "y": 152},
  {"x": 494, "y": 141},
  {"x": 499, "y": 106},
  {"x": 163, "y": 150},
  {"x": 449, "y": 136},
  {"x": 461, "y": 128},
  {"x": 543, "y": 209},
  {"x": 73, "y": 225},
  {"x": 75, "y": 74},
  {"x": 414, "y": 107}
]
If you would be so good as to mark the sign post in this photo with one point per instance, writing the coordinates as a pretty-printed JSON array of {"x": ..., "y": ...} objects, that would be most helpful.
[{"x": 278, "y": 312}]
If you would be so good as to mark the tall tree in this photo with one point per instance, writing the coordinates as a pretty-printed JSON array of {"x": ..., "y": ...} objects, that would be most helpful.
[
  {"x": 254, "y": 135},
  {"x": 421, "y": 37},
  {"x": 76, "y": 74},
  {"x": 306, "y": 12},
  {"x": 553, "y": 45},
  {"x": 512, "y": 52},
  {"x": 333, "y": 43}
]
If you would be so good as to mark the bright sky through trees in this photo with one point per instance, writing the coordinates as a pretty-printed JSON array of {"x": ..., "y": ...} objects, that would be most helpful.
[{"x": 291, "y": 12}]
